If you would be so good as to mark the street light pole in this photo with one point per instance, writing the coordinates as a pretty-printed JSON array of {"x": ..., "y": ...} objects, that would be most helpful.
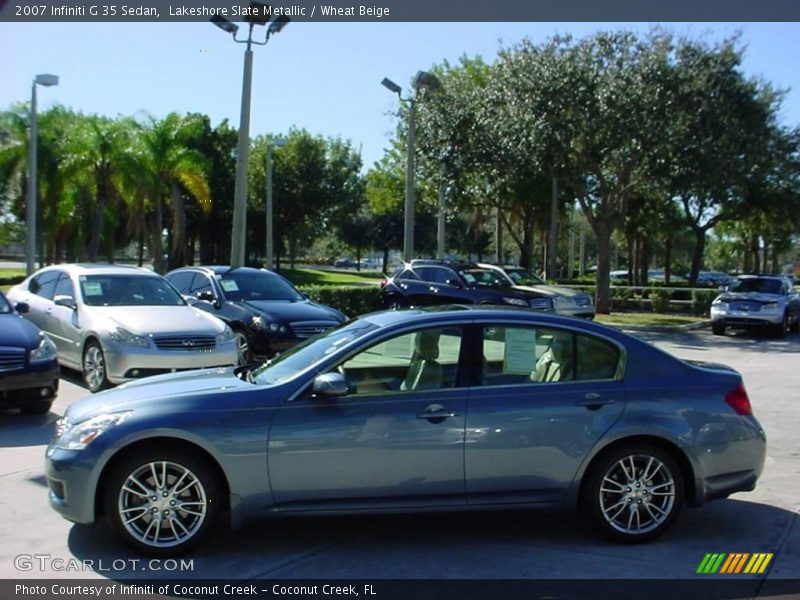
[
  {"x": 270, "y": 207},
  {"x": 239, "y": 233},
  {"x": 260, "y": 13},
  {"x": 31, "y": 208},
  {"x": 422, "y": 81}
]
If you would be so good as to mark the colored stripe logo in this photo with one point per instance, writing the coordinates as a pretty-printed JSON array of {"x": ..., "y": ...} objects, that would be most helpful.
[{"x": 735, "y": 563}]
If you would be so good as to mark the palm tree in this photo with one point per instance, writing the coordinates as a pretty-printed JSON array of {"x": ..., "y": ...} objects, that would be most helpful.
[{"x": 170, "y": 170}]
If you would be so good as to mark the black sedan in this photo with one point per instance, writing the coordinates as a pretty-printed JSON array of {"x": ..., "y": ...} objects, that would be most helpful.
[
  {"x": 265, "y": 311},
  {"x": 28, "y": 362},
  {"x": 424, "y": 282}
]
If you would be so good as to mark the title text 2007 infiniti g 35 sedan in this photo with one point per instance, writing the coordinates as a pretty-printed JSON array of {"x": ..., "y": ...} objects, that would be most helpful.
[{"x": 437, "y": 409}]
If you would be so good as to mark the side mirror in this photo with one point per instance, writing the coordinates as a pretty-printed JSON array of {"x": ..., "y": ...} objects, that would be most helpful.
[
  {"x": 22, "y": 307},
  {"x": 65, "y": 300},
  {"x": 207, "y": 296},
  {"x": 330, "y": 385}
]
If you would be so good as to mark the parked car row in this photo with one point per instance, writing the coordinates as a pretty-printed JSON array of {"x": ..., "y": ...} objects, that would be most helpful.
[{"x": 120, "y": 323}]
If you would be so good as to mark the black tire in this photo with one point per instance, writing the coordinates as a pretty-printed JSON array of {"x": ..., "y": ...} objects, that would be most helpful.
[
  {"x": 93, "y": 367},
  {"x": 243, "y": 339},
  {"x": 636, "y": 510},
  {"x": 195, "y": 488},
  {"x": 718, "y": 328},
  {"x": 36, "y": 409},
  {"x": 779, "y": 331},
  {"x": 796, "y": 325}
]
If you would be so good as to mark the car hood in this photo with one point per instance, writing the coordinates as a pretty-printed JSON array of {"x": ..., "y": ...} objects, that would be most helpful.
[
  {"x": 156, "y": 392},
  {"x": 286, "y": 311},
  {"x": 755, "y": 296},
  {"x": 161, "y": 319},
  {"x": 550, "y": 290},
  {"x": 16, "y": 332}
]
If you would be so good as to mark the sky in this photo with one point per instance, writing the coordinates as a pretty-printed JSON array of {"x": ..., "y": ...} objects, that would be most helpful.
[{"x": 324, "y": 77}]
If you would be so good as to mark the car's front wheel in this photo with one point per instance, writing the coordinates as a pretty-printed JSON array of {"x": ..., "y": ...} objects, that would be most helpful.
[
  {"x": 635, "y": 493},
  {"x": 94, "y": 367},
  {"x": 243, "y": 348},
  {"x": 162, "y": 501},
  {"x": 718, "y": 328}
]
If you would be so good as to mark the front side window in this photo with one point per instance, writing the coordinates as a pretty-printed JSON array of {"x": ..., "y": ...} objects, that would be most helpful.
[
  {"x": 520, "y": 355},
  {"x": 44, "y": 284},
  {"x": 5, "y": 307},
  {"x": 181, "y": 281},
  {"x": 64, "y": 287},
  {"x": 421, "y": 361}
]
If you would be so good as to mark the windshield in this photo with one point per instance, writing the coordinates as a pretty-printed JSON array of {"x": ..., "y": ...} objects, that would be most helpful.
[
  {"x": 483, "y": 277},
  {"x": 5, "y": 307},
  {"x": 314, "y": 349},
  {"x": 524, "y": 277},
  {"x": 128, "y": 290},
  {"x": 257, "y": 286},
  {"x": 763, "y": 286}
]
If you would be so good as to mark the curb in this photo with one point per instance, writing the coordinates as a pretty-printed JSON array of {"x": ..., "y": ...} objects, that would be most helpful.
[{"x": 664, "y": 328}]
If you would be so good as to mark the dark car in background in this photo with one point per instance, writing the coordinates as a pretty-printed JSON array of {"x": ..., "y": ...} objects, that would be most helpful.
[
  {"x": 28, "y": 362},
  {"x": 267, "y": 314},
  {"x": 424, "y": 282}
]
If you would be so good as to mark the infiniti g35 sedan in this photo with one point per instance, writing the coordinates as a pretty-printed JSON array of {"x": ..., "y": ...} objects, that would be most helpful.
[
  {"x": 415, "y": 410},
  {"x": 117, "y": 323}
]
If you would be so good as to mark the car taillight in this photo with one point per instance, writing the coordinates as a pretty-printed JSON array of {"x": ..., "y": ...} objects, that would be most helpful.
[{"x": 737, "y": 399}]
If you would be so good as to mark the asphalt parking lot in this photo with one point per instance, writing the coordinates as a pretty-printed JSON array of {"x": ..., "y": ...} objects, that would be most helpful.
[{"x": 463, "y": 545}]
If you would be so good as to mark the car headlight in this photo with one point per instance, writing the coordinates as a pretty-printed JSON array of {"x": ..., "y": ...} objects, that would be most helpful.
[
  {"x": 46, "y": 351},
  {"x": 123, "y": 336},
  {"x": 719, "y": 302},
  {"x": 563, "y": 301},
  {"x": 770, "y": 306},
  {"x": 77, "y": 437},
  {"x": 226, "y": 335}
]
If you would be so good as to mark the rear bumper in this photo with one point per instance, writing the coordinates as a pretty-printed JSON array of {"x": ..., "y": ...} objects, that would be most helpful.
[{"x": 729, "y": 468}]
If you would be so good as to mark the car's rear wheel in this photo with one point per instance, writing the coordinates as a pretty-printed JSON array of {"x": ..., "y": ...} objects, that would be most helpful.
[
  {"x": 635, "y": 493},
  {"x": 94, "y": 367},
  {"x": 162, "y": 501},
  {"x": 718, "y": 329},
  {"x": 243, "y": 348}
]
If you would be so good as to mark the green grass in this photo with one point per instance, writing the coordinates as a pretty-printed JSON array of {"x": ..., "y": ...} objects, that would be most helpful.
[
  {"x": 320, "y": 277},
  {"x": 5, "y": 288},
  {"x": 6, "y": 272},
  {"x": 646, "y": 320}
]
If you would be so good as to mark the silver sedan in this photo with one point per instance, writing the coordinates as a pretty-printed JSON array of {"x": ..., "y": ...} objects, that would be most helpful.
[{"x": 118, "y": 323}]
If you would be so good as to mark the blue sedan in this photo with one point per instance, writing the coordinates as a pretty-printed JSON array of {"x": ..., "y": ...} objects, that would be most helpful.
[
  {"x": 28, "y": 362},
  {"x": 414, "y": 410}
]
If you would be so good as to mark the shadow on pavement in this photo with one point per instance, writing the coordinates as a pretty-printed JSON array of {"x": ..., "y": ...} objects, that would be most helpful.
[
  {"x": 500, "y": 545},
  {"x": 703, "y": 340},
  {"x": 17, "y": 430}
]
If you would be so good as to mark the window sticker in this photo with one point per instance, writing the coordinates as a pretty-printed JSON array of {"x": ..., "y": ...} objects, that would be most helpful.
[
  {"x": 520, "y": 351},
  {"x": 92, "y": 288},
  {"x": 229, "y": 285}
]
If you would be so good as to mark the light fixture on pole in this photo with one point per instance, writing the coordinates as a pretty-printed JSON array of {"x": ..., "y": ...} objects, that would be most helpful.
[
  {"x": 259, "y": 16},
  {"x": 31, "y": 208},
  {"x": 270, "y": 207},
  {"x": 422, "y": 81}
]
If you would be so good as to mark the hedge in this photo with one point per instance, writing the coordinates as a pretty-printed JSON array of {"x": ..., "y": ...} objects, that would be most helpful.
[
  {"x": 352, "y": 300},
  {"x": 701, "y": 302},
  {"x": 12, "y": 280}
]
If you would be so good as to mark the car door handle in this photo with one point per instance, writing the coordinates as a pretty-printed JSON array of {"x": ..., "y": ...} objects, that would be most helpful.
[
  {"x": 593, "y": 401},
  {"x": 434, "y": 289},
  {"x": 436, "y": 411}
]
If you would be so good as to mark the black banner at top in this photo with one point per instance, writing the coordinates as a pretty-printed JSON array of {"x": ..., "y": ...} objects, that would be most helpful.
[{"x": 400, "y": 10}]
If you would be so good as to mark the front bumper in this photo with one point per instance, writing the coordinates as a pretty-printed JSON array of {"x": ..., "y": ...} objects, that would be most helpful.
[
  {"x": 72, "y": 480},
  {"x": 742, "y": 318},
  {"x": 33, "y": 385},
  {"x": 127, "y": 363}
]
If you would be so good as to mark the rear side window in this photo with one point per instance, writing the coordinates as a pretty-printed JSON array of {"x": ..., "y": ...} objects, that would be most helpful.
[
  {"x": 407, "y": 274},
  {"x": 44, "y": 284},
  {"x": 436, "y": 274},
  {"x": 181, "y": 281},
  {"x": 596, "y": 358}
]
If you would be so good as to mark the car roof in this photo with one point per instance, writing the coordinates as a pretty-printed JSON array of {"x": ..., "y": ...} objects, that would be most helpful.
[
  {"x": 100, "y": 269},
  {"x": 755, "y": 276},
  {"x": 220, "y": 269}
]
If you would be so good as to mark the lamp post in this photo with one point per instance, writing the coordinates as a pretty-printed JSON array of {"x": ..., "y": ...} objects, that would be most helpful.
[
  {"x": 259, "y": 17},
  {"x": 31, "y": 208},
  {"x": 270, "y": 208},
  {"x": 422, "y": 81}
]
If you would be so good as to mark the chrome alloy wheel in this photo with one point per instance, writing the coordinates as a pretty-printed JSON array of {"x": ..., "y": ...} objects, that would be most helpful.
[
  {"x": 242, "y": 349},
  {"x": 637, "y": 494},
  {"x": 162, "y": 504},
  {"x": 94, "y": 368}
]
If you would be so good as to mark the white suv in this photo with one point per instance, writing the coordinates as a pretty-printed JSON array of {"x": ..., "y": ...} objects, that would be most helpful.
[{"x": 755, "y": 301}]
